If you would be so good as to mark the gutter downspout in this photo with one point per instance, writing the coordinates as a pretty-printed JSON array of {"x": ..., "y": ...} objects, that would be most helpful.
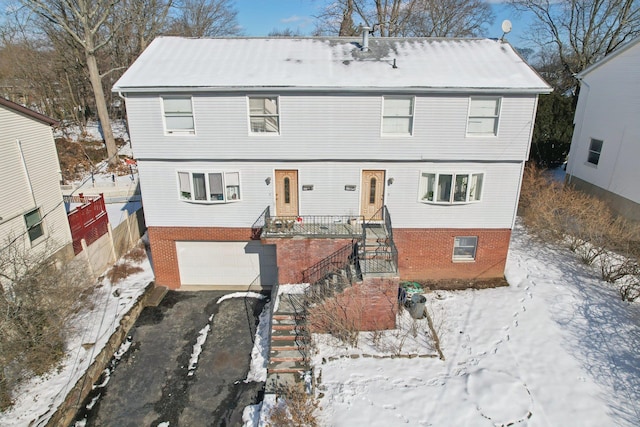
[{"x": 26, "y": 171}]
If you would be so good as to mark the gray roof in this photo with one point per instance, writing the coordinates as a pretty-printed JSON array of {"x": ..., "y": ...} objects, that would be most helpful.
[{"x": 427, "y": 64}]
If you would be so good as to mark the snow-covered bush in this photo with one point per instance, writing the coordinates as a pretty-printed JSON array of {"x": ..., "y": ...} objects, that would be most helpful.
[{"x": 39, "y": 294}]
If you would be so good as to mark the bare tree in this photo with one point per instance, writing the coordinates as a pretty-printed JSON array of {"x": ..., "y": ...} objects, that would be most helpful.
[
  {"x": 582, "y": 31},
  {"x": 205, "y": 18},
  {"x": 407, "y": 18},
  {"x": 449, "y": 18},
  {"x": 84, "y": 21}
]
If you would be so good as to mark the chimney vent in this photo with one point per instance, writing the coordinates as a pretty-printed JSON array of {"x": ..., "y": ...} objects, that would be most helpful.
[{"x": 365, "y": 39}]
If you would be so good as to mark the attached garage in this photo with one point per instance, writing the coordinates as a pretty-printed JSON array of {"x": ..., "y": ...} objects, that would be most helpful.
[{"x": 226, "y": 264}]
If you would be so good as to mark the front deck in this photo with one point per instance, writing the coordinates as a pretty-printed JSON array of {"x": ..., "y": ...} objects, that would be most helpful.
[{"x": 313, "y": 226}]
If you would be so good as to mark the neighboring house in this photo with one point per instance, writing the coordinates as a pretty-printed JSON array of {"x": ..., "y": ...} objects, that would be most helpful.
[
  {"x": 605, "y": 149},
  {"x": 254, "y": 153},
  {"x": 32, "y": 212}
]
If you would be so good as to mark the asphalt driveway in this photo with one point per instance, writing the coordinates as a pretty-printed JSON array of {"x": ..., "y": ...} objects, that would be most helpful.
[{"x": 152, "y": 385}]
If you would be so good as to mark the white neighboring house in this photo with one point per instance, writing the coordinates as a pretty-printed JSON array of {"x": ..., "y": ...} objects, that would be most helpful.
[
  {"x": 605, "y": 149},
  {"x": 32, "y": 211},
  {"x": 322, "y": 132}
]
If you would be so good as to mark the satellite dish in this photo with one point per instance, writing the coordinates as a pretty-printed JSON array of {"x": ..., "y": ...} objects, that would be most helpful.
[{"x": 506, "y": 26}]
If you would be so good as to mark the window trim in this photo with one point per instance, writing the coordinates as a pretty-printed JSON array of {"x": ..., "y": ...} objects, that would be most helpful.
[
  {"x": 412, "y": 100},
  {"x": 278, "y": 115},
  {"x": 591, "y": 151},
  {"x": 496, "y": 117},
  {"x": 463, "y": 258},
  {"x": 40, "y": 224},
  {"x": 207, "y": 182},
  {"x": 423, "y": 196},
  {"x": 179, "y": 132}
]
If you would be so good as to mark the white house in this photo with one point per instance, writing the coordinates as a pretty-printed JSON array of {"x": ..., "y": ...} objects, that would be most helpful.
[
  {"x": 605, "y": 149},
  {"x": 32, "y": 213},
  {"x": 296, "y": 137}
]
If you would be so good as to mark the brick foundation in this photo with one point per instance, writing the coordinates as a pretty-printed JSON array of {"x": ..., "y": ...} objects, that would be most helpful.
[
  {"x": 366, "y": 306},
  {"x": 423, "y": 254},
  {"x": 163, "y": 247},
  {"x": 427, "y": 254},
  {"x": 296, "y": 255}
]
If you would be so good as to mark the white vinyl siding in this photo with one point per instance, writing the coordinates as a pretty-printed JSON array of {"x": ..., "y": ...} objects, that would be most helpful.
[
  {"x": 178, "y": 115},
  {"x": 264, "y": 115},
  {"x": 329, "y": 197},
  {"x": 397, "y": 116},
  {"x": 209, "y": 187},
  {"x": 484, "y": 115},
  {"x": 331, "y": 127},
  {"x": 30, "y": 182}
]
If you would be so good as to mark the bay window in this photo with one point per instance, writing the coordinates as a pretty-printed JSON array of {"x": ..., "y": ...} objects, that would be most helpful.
[{"x": 209, "y": 187}]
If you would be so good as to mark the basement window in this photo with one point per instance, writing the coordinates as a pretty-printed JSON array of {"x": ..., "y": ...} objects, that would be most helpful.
[{"x": 464, "y": 248}]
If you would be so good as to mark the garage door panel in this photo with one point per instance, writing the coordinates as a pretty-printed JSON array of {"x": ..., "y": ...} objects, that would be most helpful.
[{"x": 225, "y": 263}]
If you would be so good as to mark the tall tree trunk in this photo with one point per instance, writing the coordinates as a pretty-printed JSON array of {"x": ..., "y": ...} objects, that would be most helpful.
[{"x": 101, "y": 106}]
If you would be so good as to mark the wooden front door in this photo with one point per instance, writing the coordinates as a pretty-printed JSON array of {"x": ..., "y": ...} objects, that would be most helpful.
[
  {"x": 286, "y": 193},
  {"x": 372, "y": 194}
]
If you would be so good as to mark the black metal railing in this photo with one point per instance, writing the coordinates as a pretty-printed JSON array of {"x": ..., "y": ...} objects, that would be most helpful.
[
  {"x": 258, "y": 225},
  {"x": 337, "y": 261},
  {"x": 348, "y": 226},
  {"x": 380, "y": 260},
  {"x": 383, "y": 259}
]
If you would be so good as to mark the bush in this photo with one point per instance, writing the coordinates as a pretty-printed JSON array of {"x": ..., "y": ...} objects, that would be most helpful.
[
  {"x": 294, "y": 408},
  {"x": 553, "y": 211},
  {"x": 38, "y": 297}
]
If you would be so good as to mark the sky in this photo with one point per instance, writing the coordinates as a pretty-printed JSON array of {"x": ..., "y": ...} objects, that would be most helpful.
[{"x": 260, "y": 17}]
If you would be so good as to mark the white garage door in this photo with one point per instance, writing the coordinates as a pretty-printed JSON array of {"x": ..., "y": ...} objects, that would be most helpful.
[{"x": 226, "y": 263}]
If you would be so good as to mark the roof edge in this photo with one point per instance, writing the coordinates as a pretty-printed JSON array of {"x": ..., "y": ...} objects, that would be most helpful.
[
  {"x": 28, "y": 112},
  {"x": 330, "y": 89},
  {"x": 609, "y": 57}
]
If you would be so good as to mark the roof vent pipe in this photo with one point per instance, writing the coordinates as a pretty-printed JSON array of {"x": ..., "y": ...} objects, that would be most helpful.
[{"x": 365, "y": 39}]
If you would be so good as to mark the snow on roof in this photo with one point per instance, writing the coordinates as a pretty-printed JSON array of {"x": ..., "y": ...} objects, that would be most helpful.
[{"x": 176, "y": 63}]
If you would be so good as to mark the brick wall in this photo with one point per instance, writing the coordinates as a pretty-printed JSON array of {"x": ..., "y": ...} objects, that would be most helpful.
[
  {"x": 366, "y": 306},
  {"x": 427, "y": 254},
  {"x": 163, "y": 247},
  {"x": 296, "y": 255}
]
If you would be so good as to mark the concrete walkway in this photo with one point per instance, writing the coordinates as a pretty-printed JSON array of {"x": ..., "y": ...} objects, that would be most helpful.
[{"x": 151, "y": 384}]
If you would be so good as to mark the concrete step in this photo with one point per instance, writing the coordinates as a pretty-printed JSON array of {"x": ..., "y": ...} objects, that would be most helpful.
[
  {"x": 288, "y": 327},
  {"x": 278, "y": 359},
  {"x": 279, "y": 347},
  {"x": 278, "y": 381},
  {"x": 287, "y": 367},
  {"x": 292, "y": 337},
  {"x": 156, "y": 296}
]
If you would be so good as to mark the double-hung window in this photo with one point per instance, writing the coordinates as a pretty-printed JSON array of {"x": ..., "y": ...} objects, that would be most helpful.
[
  {"x": 397, "y": 116},
  {"x": 33, "y": 221},
  {"x": 450, "y": 188},
  {"x": 178, "y": 115},
  {"x": 209, "y": 187},
  {"x": 595, "y": 148},
  {"x": 263, "y": 115},
  {"x": 464, "y": 248},
  {"x": 484, "y": 114}
]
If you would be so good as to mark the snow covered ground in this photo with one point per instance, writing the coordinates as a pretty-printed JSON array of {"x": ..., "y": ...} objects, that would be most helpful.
[
  {"x": 37, "y": 399},
  {"x": 556, "y": 348}
]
